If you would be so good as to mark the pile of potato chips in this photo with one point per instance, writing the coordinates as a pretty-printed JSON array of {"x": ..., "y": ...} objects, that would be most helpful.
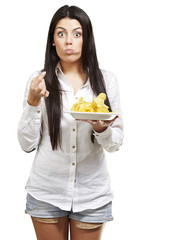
[{"x": 96, "y": 106}]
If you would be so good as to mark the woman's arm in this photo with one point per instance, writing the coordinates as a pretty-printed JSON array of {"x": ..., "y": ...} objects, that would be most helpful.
[
  {"x": 111, "y": 138},
  {"x": 109, "y": 133},
  {"x": 29, "y": 129}
]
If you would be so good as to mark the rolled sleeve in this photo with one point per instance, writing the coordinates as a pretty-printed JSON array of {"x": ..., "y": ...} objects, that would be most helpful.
[
  {"x": 29, "y": 129},
  {"x": 32, "y": 112},
  {"x": 111, "y": 139},
  {"x": 103, "y": 134}
]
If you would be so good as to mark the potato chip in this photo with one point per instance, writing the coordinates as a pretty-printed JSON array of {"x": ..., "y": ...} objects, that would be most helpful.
[{"x": 96, "y": 106}]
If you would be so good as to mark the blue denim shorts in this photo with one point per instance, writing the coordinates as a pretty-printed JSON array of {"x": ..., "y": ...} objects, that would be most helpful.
[{"x": 40, "y": 209}]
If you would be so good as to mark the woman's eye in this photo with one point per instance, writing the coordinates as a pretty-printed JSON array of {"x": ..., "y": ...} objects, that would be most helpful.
[
  {"x": 61, "y": 34},
  {"x": 77, "y": 34}
]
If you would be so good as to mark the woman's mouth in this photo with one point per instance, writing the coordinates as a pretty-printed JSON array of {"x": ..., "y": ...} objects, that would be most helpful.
[{"x": 69, "y": 51}]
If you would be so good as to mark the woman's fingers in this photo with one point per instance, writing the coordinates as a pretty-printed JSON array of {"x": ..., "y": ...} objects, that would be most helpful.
[
  {"x": 38, "y": 86},
  {"x": 37, "y": 90},
  {"x": 99, "y": 122},
  {"x": 46, "y": 93},
  {"x": 37, "y": 80},
  {"x": 41, "y": 86}
]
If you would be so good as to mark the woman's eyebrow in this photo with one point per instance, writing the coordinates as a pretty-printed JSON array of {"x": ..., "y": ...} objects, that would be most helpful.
[
  {"x": 77, "y": 28},
  {"x": 61, "y": 28},
  {"x": 73, "y": 29}
]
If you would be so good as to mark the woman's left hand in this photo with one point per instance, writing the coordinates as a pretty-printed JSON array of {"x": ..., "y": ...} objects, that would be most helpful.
[{"x": 99, "y": 125}]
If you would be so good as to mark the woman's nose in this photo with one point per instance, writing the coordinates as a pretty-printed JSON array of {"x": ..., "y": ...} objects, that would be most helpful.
[{"x": 68, "y": 39}]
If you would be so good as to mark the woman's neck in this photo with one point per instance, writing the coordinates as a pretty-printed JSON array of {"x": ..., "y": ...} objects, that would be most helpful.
[
  {"x": 74, "y": 68},
  {"x": 74, "y": 73}
]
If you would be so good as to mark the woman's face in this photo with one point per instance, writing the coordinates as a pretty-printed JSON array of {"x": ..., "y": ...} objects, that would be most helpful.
[{"x": 68, "y": 40}]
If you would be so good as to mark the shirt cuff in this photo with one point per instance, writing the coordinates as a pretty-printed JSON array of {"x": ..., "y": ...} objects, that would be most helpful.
[
  {"x": 32, "y": 112},
  {"x": 103, "y": 134}
]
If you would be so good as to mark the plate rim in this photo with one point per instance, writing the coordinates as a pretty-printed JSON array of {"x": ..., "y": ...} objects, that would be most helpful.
[{"x": 97, "y": 113}]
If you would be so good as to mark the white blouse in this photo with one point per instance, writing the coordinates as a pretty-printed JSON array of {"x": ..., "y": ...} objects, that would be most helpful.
[{"x": 74, "y": 176}]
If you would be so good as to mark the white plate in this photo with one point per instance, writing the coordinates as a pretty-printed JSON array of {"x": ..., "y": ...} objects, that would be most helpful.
[{"x": 93, "y": 115}]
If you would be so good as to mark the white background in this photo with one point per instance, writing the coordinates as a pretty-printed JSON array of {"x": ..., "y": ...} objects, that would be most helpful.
[{"x": 132, "y": 41}]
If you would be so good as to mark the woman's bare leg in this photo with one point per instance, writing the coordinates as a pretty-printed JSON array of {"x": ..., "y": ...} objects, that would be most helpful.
[
  {"x": 82, "y": 231},
  {"x": 52, "y": 231}
]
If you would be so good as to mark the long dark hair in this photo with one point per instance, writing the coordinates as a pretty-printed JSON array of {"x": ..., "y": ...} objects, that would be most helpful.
[{"x": 89, "y": 63}]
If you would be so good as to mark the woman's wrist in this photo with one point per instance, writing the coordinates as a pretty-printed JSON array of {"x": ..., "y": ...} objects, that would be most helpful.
[
  {"x": 33, "y": 101},
  {"x": 99, "y": 129}
]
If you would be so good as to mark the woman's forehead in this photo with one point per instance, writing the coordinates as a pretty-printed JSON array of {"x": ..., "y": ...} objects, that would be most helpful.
[{"x": 68, "y": 24}]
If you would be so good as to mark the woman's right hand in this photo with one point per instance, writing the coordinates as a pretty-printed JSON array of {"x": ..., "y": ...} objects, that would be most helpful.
[{"x": 37, "y": 90}]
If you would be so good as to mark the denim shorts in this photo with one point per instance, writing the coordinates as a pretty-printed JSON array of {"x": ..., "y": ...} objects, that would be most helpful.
[{"x": 40, "y": 209}]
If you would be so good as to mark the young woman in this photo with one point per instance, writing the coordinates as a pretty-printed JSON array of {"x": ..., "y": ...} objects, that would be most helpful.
[{"x": 69, "y": 183}]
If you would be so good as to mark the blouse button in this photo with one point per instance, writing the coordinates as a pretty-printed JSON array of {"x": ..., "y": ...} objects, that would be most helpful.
[
  {"x": 38, "y": 111},
  {"x": 73, "y": 129},
  {"x": 73, "y": 146},
  {"x": 73, "y": 164}
]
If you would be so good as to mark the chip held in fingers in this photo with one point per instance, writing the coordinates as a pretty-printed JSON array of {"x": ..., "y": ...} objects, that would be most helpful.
[{"x": 96, "y": 106}]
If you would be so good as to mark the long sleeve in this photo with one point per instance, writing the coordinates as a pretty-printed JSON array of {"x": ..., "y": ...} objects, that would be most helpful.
[
  {"x": 29, "y": 129},
  {"x": 112, "y": 138}
]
